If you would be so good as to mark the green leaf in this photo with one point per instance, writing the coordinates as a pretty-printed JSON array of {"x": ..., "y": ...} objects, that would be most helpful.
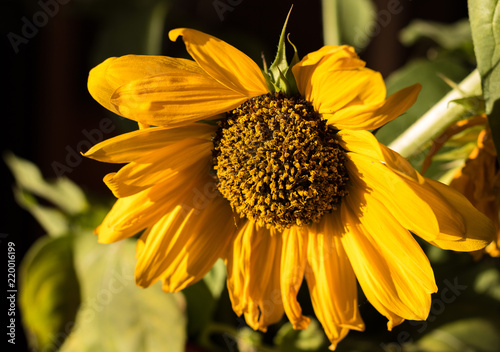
[
  {"x": 448, "y": 36},
  {"x": 63, "y": 193},
  {"x": 473, "y": 334},
  {"x": 116, "y": 315},
  {"x": 356, "y": 20},
  {"x": 484, "y": 17},
  {"x": 202, "y": 297},
  {"x": 216, "y": 278},
  {"x": 53, "y": 221},
  {"x": 485, "y": 24},
  {"x": 488, "y": 283},
  {"x": 292, "y": 340},
  {"x": 49, "y": 292}
]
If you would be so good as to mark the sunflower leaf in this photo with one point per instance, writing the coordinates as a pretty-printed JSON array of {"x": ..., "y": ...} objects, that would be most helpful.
[
  {"x": 49, "y": 292},
  {"x": 291, "y": 340},
  {"x": 472, "y": 334},
  {"x": 53, "y": 221},
  {"x": 115, "y": 314},
  {"x": 202, "y": 297},
  {"x": 448, "y": 36},
  {"x": 485, "y": 24},
  {"x": 63, "y": 193}
]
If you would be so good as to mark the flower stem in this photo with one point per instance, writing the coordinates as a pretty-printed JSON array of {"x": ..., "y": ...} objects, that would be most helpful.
[
  {"x": 437, "y": 118},
  {"x": 331, "y": 35}
]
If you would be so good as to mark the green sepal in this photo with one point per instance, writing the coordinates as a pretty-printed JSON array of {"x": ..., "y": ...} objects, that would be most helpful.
[
  {"x": 279, "y": 76},
  {"x": 475, "y": 105}
]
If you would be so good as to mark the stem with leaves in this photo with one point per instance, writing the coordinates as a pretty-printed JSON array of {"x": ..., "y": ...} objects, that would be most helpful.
[{"x": 437, "y": 118}]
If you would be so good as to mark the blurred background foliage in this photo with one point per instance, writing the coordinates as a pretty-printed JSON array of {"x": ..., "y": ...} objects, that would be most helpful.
[{"x": 77, "y": 295}]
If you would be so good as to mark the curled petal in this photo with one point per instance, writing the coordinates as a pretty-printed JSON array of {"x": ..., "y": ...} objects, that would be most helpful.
[
  {"x": 105, "y": 78},
  {"x": 174, "y": 99},
  {"x": 293, "y": 264},
  {"x": 190, "y": 240},
  {"x": 392, "y": 269},
  {"x": 331, "y": 280},
  {"x": 479, "y": 229},
  {"x": 374, "y": 115},
  {"x": 223, "y": 62},
  {"x": 253, "y": 276}
]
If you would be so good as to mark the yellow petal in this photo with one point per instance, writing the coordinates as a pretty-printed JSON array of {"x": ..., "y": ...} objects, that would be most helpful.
[
  {"x": 323, "y": 61},
  {"x": 479, "y": 229},
  {"x": 182, "y": 247},
  {"x": 400, "y": 164},
  {"x": 253, "y": 276},
  {"x": 404, "y": 202},
  {"x": 361, "y": 142},
  {"x": 331, "y": 280},
  {"x": 160, "y": 165},
  {"x": 174, "y": 99},
  {"x": 105, "y": 78},
  {"x": 293, "y": 263},
  {"x": 131, "y": 146},
  {"x": 334, "y": 90},
  {"x": 132, "y": 214},
  {"x": 392, "y": 269},
  {"x": 223, "y": 62},
  {"x": 449, "y": 211},
  {"x": 374, "y": 115}
]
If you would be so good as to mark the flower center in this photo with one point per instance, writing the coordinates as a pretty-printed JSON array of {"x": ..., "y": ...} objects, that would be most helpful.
[{"x": 278, "y": 163}]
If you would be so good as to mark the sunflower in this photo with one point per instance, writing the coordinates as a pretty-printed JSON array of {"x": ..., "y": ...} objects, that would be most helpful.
[
  {"x": 276, "y": 172},
  {"x": 479, "y": 181}
]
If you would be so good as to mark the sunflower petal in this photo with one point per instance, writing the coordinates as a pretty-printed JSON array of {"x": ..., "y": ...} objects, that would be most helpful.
[
  {"x": 374, "y": 115},
  {"x": 190, "y": 242},
  {"x": 132, "y": 214},
  {"x": 479, "y": 229},
  {"x": 404, "y": 202},
  {"x": 333, "y": 91},
  {"x": 253, "y": 276},
  {"x": 361, "y": 142},
  {"x": 223, "y": 62},
  {"x": 451, "y": 209},
  {"x": 177, "y": 98},
  {"x": 331, "y": 280},
  {"x": 131, "y": 146},
  {"x": 160, "y": 165},
  {"x": 293, "y": 264},
  {"x": 392, "y": 269},
  {"x": 328, "y": 58},
  {"x": 105, "y": 78}
]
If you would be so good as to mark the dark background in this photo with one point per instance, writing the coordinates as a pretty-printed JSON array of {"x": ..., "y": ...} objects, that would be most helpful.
[{"x": 45, "y": 105}]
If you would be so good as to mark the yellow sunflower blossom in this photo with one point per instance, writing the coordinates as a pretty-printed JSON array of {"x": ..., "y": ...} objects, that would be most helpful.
[
  {"x": 479, "y": 181},
  {"x": 282, "y": 186}
]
